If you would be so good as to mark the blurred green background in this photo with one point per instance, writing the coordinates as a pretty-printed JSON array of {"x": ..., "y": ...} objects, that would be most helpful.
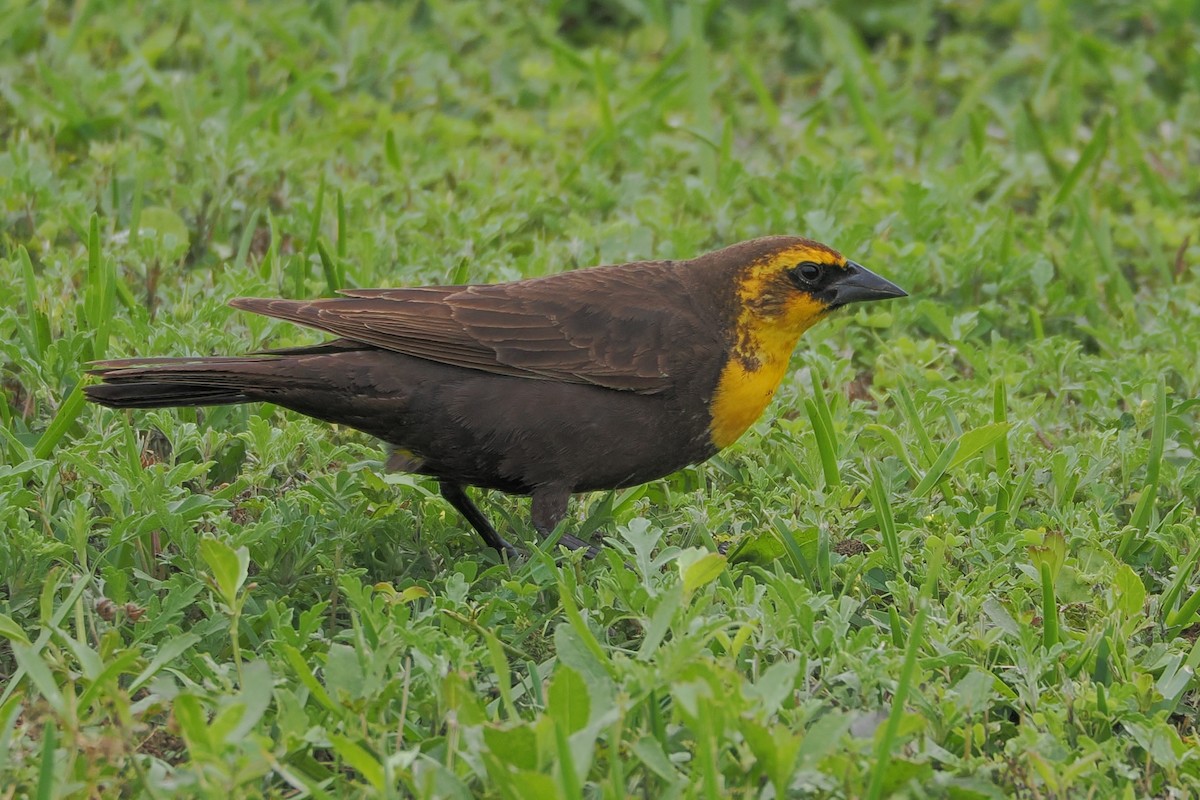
[{"x": 965, "y": 535}]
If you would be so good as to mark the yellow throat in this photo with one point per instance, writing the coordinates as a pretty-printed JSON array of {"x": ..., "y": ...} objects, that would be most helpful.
[{"x": 769, "y": 325}]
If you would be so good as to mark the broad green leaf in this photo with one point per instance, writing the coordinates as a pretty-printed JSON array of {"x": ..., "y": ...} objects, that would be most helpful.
[
  {"x": 976, "y": 440},
  {"x": 39, "y": 674},
  {"x": 193, "y": 725},
  {"x": 760, "y": 547},
  {"x": 1000, "y": 617},
  {"x": 1129, "y": 590},
  {"x": 412, "y": 593},
  {"x": 514, "y": 745},
  {"x": 255, "y": 696},
  {"x": 459, "y": 696},
  {"x": 357, "y": 757},
  {"x": 660, "y": 621},
  {"x": 824, "y": 736},
  {"x": 568, "y": 701},
  {"x": 651, "y": 754},
  {"x": 698, "y": 568},
  {"x": 296, "y": 661},
  {"x": 343, "y": 672},
  {"x": 167, "y": 651},
  {"x": 229, "y": 567},
  {"x": 503, "y": 672},
  {"x": 10, "y": 712},
  {"x": 10, "y": 630},
  {"x": 775, "y": 685},
  {"x": 528, "y": 783}
]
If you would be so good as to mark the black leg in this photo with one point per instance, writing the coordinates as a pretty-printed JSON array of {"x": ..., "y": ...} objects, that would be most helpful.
[
  {"x": 456, "y": 496},
  {"x": 549, "y": 509}
]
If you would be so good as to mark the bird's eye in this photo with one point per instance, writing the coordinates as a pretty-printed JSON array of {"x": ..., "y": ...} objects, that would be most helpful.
[{"x": 808, "y": 273}]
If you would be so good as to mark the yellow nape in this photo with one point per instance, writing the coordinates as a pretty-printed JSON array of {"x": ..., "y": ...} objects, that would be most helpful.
[{"x": 773, "y": 315}]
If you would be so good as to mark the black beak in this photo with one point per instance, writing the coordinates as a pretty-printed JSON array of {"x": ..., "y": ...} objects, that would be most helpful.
[{"x": 857, "y": 284}]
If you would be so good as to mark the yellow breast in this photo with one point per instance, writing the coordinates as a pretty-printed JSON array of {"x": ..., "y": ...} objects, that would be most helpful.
[{"x": 744, "y": 390}]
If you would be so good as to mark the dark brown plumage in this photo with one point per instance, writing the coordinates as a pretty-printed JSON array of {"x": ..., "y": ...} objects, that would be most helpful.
[{"x": 593, "y": 379}]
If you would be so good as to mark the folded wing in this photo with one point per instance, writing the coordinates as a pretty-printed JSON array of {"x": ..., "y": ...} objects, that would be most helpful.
[{"x": 598, "y": 326}]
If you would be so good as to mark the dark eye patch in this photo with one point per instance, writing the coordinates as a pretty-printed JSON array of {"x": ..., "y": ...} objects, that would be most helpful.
[{"x": 808, "y": 275}]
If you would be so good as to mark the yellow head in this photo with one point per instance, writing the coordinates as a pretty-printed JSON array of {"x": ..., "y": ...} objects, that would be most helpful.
[{"x": 779, "y": 295}]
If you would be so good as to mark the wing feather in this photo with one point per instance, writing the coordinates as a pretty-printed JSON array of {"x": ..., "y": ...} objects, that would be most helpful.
[{"x": 606, "y": 326}]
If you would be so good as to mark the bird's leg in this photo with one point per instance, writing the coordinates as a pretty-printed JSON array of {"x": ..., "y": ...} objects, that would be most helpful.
[
  {"x": 456, "y": 496},
  {"x": 549, "y": 509}
]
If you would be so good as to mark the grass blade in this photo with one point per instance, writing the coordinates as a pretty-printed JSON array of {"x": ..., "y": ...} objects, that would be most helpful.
[
  {"x": 825, "y": 445},
  {"x": 100, "y": 291},
  {"x": 1092, "y": 153},
  {"x": 1185, "y": 614},
  {"x": 67, "y": 413},
  {"x": 97, "y": 308},
  {"x": 314, "y": 228},
  {"x": 976, "y": 440},
  {"x": 247, "y": 238},
  {"x": 910, "y": 410},
  {"x": 1002, "y": 504},
  {"x": 887, "y": 522},
  {"x": 1049, "y": 608},
  {"x": 37, "y": 326},
  {"x": 796, "y": 555},
  {"x": 893, "y": 440},
  {"x": 1182, "y": 575},
  {"x": 935, "y": 557},
  {"x": 1000, "y": 417},
  {"x": 1143, "y": 513},
  {"x": 762, "y": 94},
  {"x": 895, "y": 627},
  {"x": 566, "y": 762},
  {"x": 45, "y": 788},
  {"x": 1154, "y": 462},
  {"x": 936, "y": 472},
  {"x": 391, "y": 153},
  {"x": 822, "y": 419},
  {"x": 822, "y": 403},
  {"x": 334, "y": 280},
  {"x": 824, "y": 560},
  {"x": 887, "y": 742},
  {"x": 603, "y": 97},
  {"x": 341, "y": 225},
  {"x": 1039, "y": 137}
]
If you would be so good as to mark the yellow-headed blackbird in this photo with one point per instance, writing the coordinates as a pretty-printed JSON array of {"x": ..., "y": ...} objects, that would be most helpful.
[{"x": 594, "y": 379}]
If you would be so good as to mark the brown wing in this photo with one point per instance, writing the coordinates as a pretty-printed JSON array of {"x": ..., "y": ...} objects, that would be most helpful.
[{"x": 608, "y": 326}]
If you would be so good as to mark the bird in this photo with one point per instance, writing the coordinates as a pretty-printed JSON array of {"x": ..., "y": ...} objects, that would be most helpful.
[{"x": 590, "y": 379}]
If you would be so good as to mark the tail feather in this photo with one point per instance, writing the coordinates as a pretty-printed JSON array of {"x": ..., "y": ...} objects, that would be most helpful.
[
  {"x": 159, "y": 394},
  {"x": 166, "y": 382}
]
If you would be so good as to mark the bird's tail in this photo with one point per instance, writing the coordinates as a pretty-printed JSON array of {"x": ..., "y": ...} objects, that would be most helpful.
[{"x": 163, "y": 382}]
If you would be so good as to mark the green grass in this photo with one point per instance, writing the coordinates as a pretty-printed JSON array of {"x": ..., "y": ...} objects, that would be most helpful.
[{"x": 964, "y": 537}]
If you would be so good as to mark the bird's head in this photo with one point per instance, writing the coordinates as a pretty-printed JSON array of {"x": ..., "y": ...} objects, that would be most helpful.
[
  {"x": 793, "y": 283},
  {"x": 782, "y": 286}
]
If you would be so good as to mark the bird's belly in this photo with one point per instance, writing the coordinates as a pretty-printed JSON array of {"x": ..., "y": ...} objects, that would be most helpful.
[
  {"x": 515, "y": 434},
  {"x": 508, "y": 433}
]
